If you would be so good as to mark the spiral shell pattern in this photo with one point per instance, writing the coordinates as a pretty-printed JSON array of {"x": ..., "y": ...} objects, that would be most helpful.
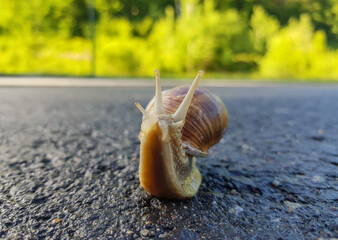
[{"x": 206, "y": 120}]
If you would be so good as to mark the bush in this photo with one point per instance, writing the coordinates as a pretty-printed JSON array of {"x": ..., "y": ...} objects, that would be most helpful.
[
  {"x": 134, "y": 37},
  {"x": 299, "y": 52},
  {"x": 45, "y": 55},
  {"x": 200, "y": 38}
]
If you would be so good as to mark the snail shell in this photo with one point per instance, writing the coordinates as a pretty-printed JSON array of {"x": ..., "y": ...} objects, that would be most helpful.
[
  {"x": 178, "y": 125},
  {"x": 206, "y": 120}
]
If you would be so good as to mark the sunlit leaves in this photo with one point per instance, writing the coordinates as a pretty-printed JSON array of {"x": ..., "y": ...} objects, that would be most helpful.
[{"x": 297, "y": 51}]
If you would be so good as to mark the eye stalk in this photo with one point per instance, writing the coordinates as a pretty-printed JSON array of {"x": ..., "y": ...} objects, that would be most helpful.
[
  {"x": 158, "y": 94},
  {"x": 181, "y": 112}
]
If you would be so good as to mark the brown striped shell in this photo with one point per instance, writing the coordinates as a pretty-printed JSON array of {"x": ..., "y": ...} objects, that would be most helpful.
[{"x": 206, "y": 120}]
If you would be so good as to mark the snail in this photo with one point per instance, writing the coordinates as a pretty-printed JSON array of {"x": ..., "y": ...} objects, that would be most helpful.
[{"x": 178, "y": 125}]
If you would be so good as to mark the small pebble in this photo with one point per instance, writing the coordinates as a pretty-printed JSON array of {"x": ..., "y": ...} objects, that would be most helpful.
[
  {"x": 291, "y": 206},
  {"x": 145, "y": 232},
  {"x": 236, "y": 210},
  {"x": 162, "y": 235},
  {"x": 57, "y": 220},
  {"x": 317, "y": 178},
  {"x": 245, "y": 147},
  {"x": 234, "y": 192},
  {"x": 275, "y": 183},
  {"x": 276, "y": 220}
]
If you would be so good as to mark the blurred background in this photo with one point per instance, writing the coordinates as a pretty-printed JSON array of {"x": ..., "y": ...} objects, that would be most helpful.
[{"x": 262, "y": 39}]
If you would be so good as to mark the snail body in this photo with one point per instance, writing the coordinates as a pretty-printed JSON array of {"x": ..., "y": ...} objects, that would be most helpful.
[{"x": 178, "y": 124}]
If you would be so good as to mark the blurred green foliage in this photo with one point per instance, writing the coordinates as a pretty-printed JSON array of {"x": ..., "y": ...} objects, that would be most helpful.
[{"x": 294, "y": 39}]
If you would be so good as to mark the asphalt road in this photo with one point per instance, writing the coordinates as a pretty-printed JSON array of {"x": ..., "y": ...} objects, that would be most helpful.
[{"x": 69, "y": 162}]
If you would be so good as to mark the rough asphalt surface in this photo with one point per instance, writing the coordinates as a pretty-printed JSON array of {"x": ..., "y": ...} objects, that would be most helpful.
[{"x": 69, "y": 167}]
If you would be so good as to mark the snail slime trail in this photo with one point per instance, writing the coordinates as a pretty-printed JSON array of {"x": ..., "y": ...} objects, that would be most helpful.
[{"x": 178, "y": 125}]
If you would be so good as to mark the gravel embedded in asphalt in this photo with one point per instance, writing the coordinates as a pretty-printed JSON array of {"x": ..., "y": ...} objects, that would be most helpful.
[{"x": 69, "y": 162}]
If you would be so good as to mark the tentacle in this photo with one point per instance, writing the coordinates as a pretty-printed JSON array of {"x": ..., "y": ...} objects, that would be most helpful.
[
  {"x": 142, "y": 110},
  {"x": 182, "y": 110},
  {"x": 158, "y": 94}
]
